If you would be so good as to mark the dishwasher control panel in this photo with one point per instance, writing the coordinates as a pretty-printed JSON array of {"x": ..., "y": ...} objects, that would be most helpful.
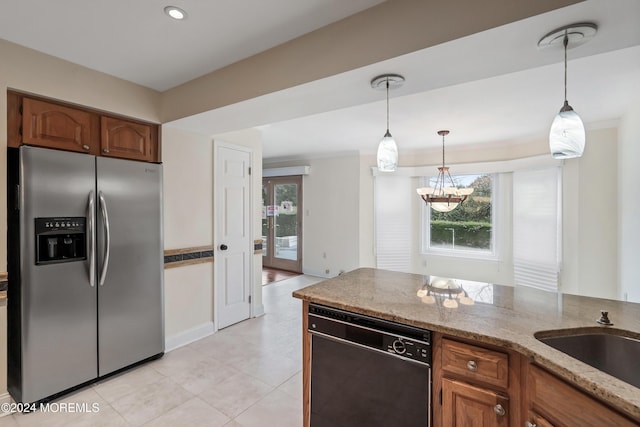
[
  {"x": 389, "y": 337},
  {"x": 408, "y": 348}
]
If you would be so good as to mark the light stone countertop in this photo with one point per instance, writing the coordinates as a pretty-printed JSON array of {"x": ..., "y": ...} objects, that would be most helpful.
[{"x": 509, "y": 317}]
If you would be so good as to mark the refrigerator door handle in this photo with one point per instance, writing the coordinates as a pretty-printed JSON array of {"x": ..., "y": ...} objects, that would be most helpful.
[
  {"x": 92, "y": 239},
  {"x": 107, "y": 234}
]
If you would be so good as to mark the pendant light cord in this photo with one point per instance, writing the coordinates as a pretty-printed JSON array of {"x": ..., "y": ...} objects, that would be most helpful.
[
  {"x": 565, "y": 42},
  {"x": 443, "y": 154},
  {"x": 387, "y": 104}
]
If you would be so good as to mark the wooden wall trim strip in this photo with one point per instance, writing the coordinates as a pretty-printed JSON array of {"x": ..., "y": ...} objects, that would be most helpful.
[
  {"x": 4, "y": 282},
  {"x": 187, "y": 256}
]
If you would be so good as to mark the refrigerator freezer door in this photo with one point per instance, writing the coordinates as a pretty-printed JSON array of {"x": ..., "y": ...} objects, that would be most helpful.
[
  {"x": 58, "y": 310},
  {"x": 130, "y": 299}
]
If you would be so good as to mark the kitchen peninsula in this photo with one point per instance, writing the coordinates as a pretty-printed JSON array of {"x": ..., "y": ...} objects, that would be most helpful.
[{"x": 529, "y": 381}]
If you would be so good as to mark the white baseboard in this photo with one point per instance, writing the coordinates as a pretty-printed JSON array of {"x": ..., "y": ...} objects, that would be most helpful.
[
  {"x": 5, "y": 398},
  {"x": 258, "y": 310},
  {"x": 188, "y": 336}
]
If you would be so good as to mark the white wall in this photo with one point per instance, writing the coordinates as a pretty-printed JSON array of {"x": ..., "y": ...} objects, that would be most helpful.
[
  {"x": 331, "y": 222},
  {"x": 629, "y": 213},
  {"x": 590, "y": 218},
  {"x": 188, "y": 219}
]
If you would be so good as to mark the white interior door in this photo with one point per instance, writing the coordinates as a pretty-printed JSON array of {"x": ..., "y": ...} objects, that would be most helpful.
[{"x": 232, "y": 234}]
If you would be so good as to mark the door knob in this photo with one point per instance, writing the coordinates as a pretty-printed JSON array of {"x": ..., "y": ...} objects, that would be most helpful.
[{"x": 223, "y": 247}]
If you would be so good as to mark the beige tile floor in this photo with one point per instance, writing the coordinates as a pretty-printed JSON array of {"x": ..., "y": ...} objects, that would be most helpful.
[{"x": 246, "y": 375}]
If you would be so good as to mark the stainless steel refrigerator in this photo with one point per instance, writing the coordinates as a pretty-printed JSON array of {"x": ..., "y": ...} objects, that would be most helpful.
[{"x": 85, "y": 269}]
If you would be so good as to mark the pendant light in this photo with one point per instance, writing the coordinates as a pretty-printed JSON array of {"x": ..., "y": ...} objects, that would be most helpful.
[
  {"x": 387, "y": 157},
  {"x": 444, "y": 196},
  {"x": 567, "y": 135}
]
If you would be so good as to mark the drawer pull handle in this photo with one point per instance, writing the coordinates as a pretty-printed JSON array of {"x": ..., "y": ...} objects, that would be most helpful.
[
  {"x": 472, "y": 365},
  {"x": 499, "y": 410},
  {"x": 85, "y": 147}
]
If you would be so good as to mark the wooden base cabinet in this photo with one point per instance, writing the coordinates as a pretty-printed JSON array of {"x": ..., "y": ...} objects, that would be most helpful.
[
  {"x": 552, "y": 402},
  {"x": 474, "y": 385},
  {"x": 465, "y": 405}
]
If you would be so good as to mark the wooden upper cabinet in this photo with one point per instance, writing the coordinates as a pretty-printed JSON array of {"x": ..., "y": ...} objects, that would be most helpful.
[
  {"x": 128, "y": 140},
  {"x": 52, "y": 125},
  {"x": 55, "y": 124}
]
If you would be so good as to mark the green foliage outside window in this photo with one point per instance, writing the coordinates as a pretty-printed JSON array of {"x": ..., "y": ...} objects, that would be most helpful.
[{"x": 469, "y": 225}]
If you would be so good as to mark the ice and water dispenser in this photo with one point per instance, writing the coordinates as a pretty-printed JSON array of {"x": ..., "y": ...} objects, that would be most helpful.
[{"x": 60, "y": 240}]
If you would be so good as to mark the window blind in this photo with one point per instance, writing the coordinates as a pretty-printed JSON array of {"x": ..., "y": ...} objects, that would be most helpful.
[
  {"x": 393, "y": 222},
  {"x": 537, "y": 229}
]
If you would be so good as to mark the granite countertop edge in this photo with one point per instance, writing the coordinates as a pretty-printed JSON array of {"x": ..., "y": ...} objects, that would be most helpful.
[{"x": 350, "y": 292}]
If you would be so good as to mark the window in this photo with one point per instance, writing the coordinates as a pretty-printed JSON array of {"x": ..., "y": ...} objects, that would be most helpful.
[{"x": 469, "y": 229}]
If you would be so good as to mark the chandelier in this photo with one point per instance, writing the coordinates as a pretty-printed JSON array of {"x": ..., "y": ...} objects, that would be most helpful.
[{"x": 444, "y": 196}]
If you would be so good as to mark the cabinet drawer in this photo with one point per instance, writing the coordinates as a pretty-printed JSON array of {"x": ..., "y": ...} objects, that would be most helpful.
[{"x": 476, "y": 364}]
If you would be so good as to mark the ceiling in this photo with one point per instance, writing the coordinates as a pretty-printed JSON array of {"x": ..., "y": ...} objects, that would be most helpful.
[
  {"x": 491, "y": 88},
  {"x": 136, "y": 41}
]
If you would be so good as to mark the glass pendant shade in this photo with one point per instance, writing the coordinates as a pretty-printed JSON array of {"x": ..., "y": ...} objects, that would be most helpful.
[
  {"x": 387, "y": 154},
  {"x": 567, "y": 135}
]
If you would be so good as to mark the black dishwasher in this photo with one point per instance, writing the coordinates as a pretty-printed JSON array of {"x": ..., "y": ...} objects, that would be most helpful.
[{"x": 367, "y": 371}]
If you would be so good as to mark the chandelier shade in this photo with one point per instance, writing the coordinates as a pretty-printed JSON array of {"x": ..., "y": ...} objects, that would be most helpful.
[{"x": 444, "y": 196}]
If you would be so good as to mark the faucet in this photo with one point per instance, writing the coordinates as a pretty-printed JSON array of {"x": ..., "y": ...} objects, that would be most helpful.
[{"x": 604, "y": 318}]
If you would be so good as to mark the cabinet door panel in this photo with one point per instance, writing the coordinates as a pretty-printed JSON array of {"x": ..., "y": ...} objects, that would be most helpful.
[
  {"x": 126, "y": 140},
  {"x": 563, "y": 405},
  {"x": 464, "y": 405},
  {"x": 55, "y": 126}
]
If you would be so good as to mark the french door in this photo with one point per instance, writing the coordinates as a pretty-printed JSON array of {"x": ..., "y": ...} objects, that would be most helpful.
[{"x": 282, "y": 223}]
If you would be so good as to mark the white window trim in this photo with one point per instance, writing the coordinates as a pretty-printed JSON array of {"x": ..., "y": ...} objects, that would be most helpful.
[{"x": 496, "y": 228}]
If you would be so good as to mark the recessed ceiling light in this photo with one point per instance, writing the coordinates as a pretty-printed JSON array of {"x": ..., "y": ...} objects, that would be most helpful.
[{"x": 175, "y": 12}]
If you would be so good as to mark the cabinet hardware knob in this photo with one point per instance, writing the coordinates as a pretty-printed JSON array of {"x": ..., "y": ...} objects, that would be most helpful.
[
  {"x": 472, "y": 365},
  {"x": 85, "y": 147},
  {"x": 106, "y": 150},
  {"x": 499, "y": 410},
  {"x": 530, "y": 424},
  {"x": 223, "y": 247}
]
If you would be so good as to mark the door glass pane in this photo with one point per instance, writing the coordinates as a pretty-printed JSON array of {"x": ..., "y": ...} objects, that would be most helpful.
[
  {"x": 265, "y": 220},
  {"x": 285, "y": 221}
]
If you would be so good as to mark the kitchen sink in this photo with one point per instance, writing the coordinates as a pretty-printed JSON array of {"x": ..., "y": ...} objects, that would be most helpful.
[{"x": 616, "y": 355}]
